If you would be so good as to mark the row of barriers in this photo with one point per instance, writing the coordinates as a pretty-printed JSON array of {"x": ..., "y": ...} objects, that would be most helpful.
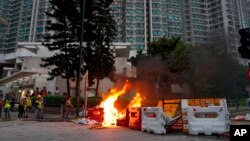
[
  {"x": 196, "y": 116},
  {"x": 148, "y": 119}
]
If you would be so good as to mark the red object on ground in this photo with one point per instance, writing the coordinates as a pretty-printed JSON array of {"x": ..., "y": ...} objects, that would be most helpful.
[
  {"x": 135, "y": 118},
  {"x": 96, "y": 114}
]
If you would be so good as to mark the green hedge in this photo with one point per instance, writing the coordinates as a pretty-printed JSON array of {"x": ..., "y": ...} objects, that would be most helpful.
[{"x": 57, "y": 100}]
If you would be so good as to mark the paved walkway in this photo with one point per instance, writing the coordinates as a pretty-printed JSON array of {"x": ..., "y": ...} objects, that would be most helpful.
[{"x": 32, "y": 117}]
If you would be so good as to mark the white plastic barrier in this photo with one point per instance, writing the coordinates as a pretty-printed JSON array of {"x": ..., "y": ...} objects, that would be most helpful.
[
  {"x": 153, "y": 120},
  {"x": 207, "y": 120}
]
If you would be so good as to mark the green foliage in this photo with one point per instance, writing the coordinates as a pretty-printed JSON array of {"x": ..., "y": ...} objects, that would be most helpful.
[
  {"x": 53, "y": 100},
  {"x": 60, "y": 33},
  {"x": 63, "y": 31},
  {"x": 173, "y": 51},
  {"x": 57, "y": 100},
  {"x": 94, "y": 101},
  {"x": 61, "y": 36},
  {"x": 178, "y": 60},
  {"x": 163, "y": 46},
  {"x": 99, "y": 33},
  {"x": 214, "y": 75},
  {"x": 134, "y": 60}
]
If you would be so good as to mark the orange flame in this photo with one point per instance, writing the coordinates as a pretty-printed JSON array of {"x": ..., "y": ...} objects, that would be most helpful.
[
  {"x": 111, "y": 114},
  {"x": 136, "y": 101}
]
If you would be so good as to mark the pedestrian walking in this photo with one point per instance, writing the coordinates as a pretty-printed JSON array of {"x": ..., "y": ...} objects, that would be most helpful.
[
  {"x": 40, "y": 107},
  {"x": 69, "y": 107},
  {"x": 7, "y": 105}
]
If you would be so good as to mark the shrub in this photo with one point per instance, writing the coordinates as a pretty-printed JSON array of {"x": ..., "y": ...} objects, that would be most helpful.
[
  {"x": 94, "y": 101},
  {"x": 57, "y": 100},
  {"x": 53, "y": 100}
]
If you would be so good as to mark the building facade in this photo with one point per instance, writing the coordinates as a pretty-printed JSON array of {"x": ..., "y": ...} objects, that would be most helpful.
[
  {"x": 213, "y": 23},
  {"x": 22, "y": 71},
  {"x": 245, "y": 13},
  {"x": 198, "y": 22},
  {"x": 142, "y": 21},
  {"x": 4, "y": 13},
  {"x": 26, "y": 22}
]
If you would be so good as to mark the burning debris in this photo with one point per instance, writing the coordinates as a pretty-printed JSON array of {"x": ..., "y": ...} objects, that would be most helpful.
[{"x": 111, "y": 113}]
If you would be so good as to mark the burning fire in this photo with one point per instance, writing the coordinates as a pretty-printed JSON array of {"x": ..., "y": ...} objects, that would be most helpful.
[
  {"x": 111, "y": 114},
  {"x": 136, "y": 101}
]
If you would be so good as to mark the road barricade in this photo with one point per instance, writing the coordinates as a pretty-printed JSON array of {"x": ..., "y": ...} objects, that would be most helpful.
[
  {"x": 186, "y": 103},
  {"x": 96, "y": 114},
  {"x": 207, "y": 120},
  {"x": 124, "y": 121},
  {"x": 135, "y": 118},
  {"x": 153, "y": 120}
]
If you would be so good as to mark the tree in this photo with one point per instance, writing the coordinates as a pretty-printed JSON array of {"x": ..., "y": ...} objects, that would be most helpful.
[
  {"x": 99, "y": 33},
  {"x": 135, "y": 59},
  {"x": 60, "y": 36},
  {"x": 173, "y": 51},
  {"x": 213, "y": 74},
  {"x": 163, "y": 61}
]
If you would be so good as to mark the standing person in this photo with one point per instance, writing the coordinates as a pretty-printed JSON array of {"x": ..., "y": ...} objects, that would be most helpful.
[
  {"x": 36, "y": 92},
  {"x": 43, "y": 92},
  {"x": 28, "y": 105},
  {"x": 63, "y": 105},
  {"x": 1, "y": 105},
  {"x": 40, "y": 107},
  {"x": 7, "y": 105},
  {"x": 69, "y": 106},
  {"x": 21, "y": 109},
  {"x": 12, "y": 102}
]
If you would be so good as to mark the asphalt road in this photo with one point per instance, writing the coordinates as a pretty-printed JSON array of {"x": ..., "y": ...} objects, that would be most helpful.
[
  {"x": 17, "y": 130},
  {"x": 33, "y": 130}
]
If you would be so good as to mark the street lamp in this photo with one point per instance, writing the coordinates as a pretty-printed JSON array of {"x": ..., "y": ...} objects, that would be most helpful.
[{"x": 80, "y": 59}]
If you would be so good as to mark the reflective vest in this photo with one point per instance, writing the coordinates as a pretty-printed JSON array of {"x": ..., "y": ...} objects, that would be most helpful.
[
  {"x": 28, "y": 100},
  {"x": 7, "y": 104},
  {"x": 40, "y": 104}
]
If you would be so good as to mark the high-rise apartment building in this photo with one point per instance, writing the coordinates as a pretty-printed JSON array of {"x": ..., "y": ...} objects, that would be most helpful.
[
  {"x": 26, "y": 22},
  {"x": 245, "y": 7},
  {"x": 198, "y": 22},
  {"x": 141, "y": 21},
  {"x": 213, "y": 23},
  {"x": 4, "y": 11},
  {"x": 224, "y": 24},
  {"x": 195, "y": 22}
]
